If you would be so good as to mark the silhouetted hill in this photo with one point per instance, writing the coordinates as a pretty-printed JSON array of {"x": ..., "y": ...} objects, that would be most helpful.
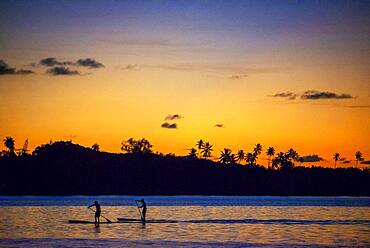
[{"x": 66, "y": 168}]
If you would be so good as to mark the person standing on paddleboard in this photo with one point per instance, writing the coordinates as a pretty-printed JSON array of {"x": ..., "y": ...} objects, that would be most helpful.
[
  {"x": 97, "y": 212},
  {"x": 143, "y": 206}
]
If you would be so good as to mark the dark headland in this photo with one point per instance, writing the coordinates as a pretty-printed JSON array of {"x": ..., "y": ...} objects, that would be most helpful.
[{"x": 65, "y": 168}]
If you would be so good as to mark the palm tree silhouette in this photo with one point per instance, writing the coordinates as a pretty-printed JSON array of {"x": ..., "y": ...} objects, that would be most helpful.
[
  {"x": 257, "y": 151},
  {"x": 95, "y": 147},
  {"x": 336, "y": 157},
  {"x": 270, "y": 152},
  {"x": 278, "y": 161},
  {"x": 200, "y": 145},
  {"x": 225, "y": 157},
  {"x": 250, "y": 158},
  {"x": 240, "y": 156},
  {"x": 207, "y": 150},
  {"x": 293, "y": 154},
  {"x": 358, "y": 156},
  {"x": 9, "y": 143},
  {"x": 192, "y": 153}
]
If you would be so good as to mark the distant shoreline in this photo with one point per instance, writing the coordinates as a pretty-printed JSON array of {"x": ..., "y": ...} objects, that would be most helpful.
[{"x": 67, "y": 169}]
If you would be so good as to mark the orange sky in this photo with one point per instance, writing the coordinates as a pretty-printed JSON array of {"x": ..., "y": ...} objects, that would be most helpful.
[{"x": 208, "y": 66}]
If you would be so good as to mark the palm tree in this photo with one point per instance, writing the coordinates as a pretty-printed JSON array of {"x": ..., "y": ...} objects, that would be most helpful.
[
  {"x": 293, "y": 154},
  {"x": 225, "y": 157},
  {"x": 240, "y": 156},
  {"x": 207, "y": 150},
  {"x": 278, "y": 161},
  {"x": 336, "y": 157},
  {"x": 257, "y": 149},
  {"x": 250, "y": 158},
  {"x": 9, "y": 143},
  {"x": 358, "y": 156},
  {"x": 192, "y": 153},
  {"x": 95, "y": 147},
  {"x": 270, "y": 152},
  {"x": 200, "y": 145}
]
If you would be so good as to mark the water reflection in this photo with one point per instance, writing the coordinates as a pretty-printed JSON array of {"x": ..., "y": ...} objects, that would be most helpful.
[{"x": 258, "y": 225}]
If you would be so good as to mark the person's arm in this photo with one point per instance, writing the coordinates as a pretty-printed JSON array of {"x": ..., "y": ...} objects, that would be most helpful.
[
  {"x": 138, "y": 201},
  {"x": 91, "y": 205}
]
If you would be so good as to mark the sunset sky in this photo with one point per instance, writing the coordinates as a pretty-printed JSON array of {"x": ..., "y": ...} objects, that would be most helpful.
[{"x": 234, "y": 73}]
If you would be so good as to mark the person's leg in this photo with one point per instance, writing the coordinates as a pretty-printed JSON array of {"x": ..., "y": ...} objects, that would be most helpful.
[
  {"x": 96, "y": 220},
  {"x": 144, "y": 213}
]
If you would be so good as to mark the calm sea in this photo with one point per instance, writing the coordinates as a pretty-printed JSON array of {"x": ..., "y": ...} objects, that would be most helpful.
[{"x": 188, "y": 221}]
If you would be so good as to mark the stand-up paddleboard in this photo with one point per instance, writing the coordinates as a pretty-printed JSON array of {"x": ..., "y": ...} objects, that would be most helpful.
[
  {"x": 122, "y": 221},
  {"x": 127, "y": 220},
  {"x": 88, "y": 222}
]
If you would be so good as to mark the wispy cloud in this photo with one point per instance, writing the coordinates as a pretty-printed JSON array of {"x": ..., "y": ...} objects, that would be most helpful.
[
  {"x": 311, "y": 158},
  {"x": 61, "y": 70},
  {"x": 52, "y": 61},
  {"x": 129, "y": 67},
  {"x": 173, "y": 117},
  {"x": 289, "y": 95},
  {"x": 91, "y": 63},
  {"x": 169, "y": 126},
  {"x": 238, "y": 76},
  {"x": 316, "y": 95},
  {"x": 5, "y": 69}
]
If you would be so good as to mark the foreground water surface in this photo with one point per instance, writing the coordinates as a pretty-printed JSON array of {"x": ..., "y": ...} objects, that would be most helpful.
[{"x": 34, "y": 221}]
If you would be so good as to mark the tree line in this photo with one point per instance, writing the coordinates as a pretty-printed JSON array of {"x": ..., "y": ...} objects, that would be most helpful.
[
  {"x": 282, "y": 160},
  {"x": 63, "y": 167}
]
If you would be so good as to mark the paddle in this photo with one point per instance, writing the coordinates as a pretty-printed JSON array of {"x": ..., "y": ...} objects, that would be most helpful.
[
  {"x": 141, "y": 216},
  {"x": 102, "y": 216}
]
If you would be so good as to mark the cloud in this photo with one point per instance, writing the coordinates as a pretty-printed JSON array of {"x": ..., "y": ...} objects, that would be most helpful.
[
  {"x": 88, "y": 62},
  {"x": 129, "y": 67},
  {"x": 51, "y": 61},
  {"x": 173, "y": 117},
  {"x": 287, "y": 94},
  {"x": 311, "y": 158},
  {"x": 5, "y": 69},
  {"x": 365, "y": 162},
  {"x": 169, "y": 126},
  {"x": 344, "y": 160},
  {"x": 219, "y": 125},
  {"x": 61, "y": 70},
  {"x": 238, "y": 76},
  {"x": 91, "y": 63},
  {"x": 316, "y": 95}
]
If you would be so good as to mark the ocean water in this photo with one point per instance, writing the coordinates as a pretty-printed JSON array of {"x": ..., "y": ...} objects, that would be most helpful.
[{"x": 187, "y": 221}]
